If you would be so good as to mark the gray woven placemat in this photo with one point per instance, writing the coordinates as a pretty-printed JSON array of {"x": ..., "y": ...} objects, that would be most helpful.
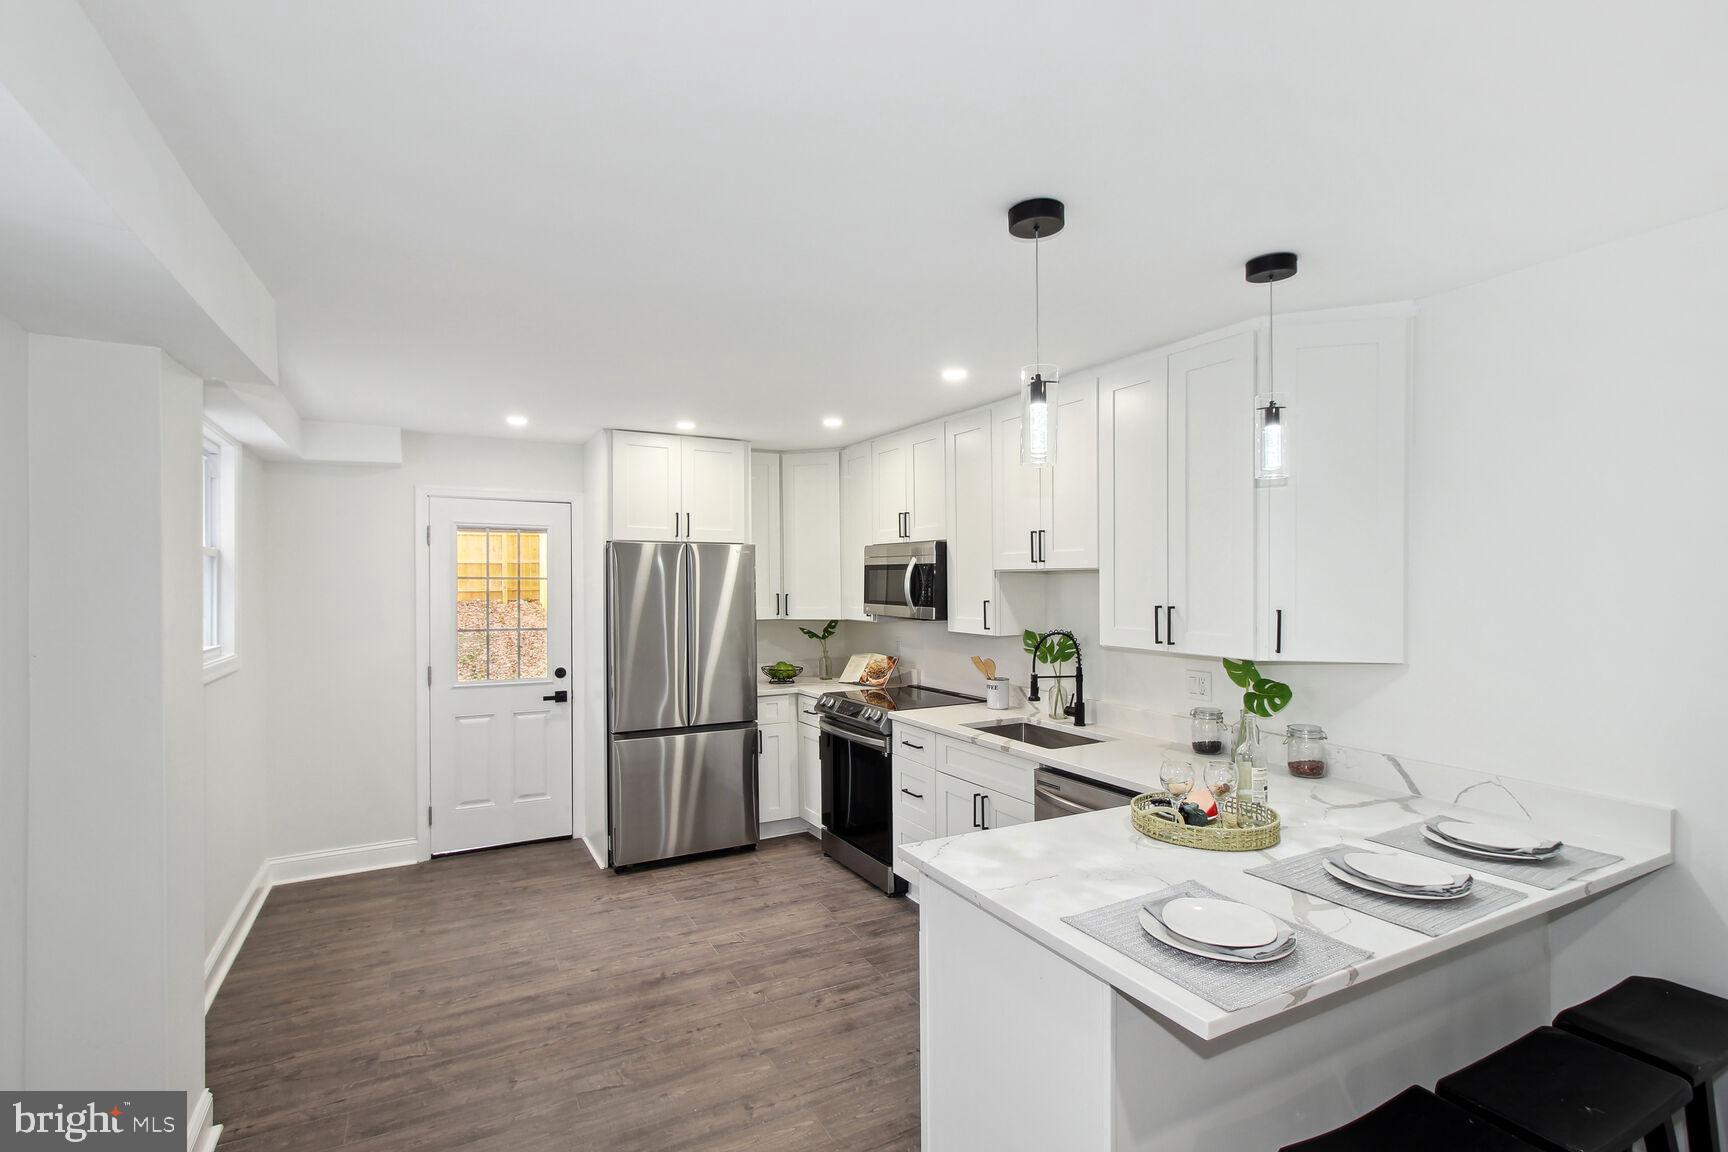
[
  {"x": 1229, "y": 986},
  {"x": 1306, "y": 873},
  {"x": 1571, "y": 862}
]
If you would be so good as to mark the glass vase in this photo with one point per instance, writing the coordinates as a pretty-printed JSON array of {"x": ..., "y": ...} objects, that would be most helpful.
[{"x": 824, "y": 665}]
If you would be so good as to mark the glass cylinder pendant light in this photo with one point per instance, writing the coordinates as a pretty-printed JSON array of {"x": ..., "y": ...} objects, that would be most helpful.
[
  {"x": 1271, "y": 408},
  {"x": 1035, "y": 220}
]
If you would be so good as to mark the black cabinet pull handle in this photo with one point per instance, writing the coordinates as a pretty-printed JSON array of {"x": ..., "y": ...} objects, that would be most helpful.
[
  {"x": 986, "y": 615},
  {"x": 675, "y": 524},
  {"x": 1157, "y": 623},
  {"x": 1170, "y": 611},
  {"x": 975, "y": 798},
  {"x": 909, "y": 744},
  {"x": 687, "y": 529},
  {"x": 1043, "y": 549},
  {"x": 1278, "y": 641},
  {"x": 984, "y": 813},
  {"x": 1032, "y": 547},
  {"x": 914, "y": 795},
  {"x": 788, "y": 602}
]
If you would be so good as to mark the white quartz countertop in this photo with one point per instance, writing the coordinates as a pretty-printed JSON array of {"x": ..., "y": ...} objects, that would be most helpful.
[
  {"x": 806, "y": 684},
  {"x": 1029, "y": 876}
]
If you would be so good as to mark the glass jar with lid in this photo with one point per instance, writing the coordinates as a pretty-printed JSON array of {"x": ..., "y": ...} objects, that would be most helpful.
[
  {"x": 1305, "y": 750},
  {"x": 1206, "y": 730}
]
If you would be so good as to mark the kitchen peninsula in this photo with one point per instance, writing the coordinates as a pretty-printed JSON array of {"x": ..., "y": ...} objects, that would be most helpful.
[{"x": 1036, "y": 1035}]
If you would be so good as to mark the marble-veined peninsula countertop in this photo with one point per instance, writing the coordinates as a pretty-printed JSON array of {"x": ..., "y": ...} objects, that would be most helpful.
[{"x": 1029, "y": 876}]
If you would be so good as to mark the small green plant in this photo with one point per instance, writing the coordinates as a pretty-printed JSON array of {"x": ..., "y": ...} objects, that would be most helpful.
[
  {"x": 822, "y": 636},
  {"x": 1260, "y": 695},
  {"x": 1055, "y": 651}
]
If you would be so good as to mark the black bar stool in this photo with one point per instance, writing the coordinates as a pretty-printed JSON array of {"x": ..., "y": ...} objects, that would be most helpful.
[
  {"x": 1415, "y": 1120},
  {"x": 1566, "y": 1094},
  {"x": 1676, "y": 1028}
]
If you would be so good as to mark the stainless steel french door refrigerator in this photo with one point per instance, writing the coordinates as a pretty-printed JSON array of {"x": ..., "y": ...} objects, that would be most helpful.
[{"x": 681, "y": 707}]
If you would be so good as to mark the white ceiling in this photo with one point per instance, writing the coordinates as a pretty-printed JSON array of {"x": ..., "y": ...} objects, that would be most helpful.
[{"x": 757, "y": 213}]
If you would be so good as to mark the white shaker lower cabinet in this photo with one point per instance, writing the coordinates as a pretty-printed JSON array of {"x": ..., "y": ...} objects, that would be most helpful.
[
  {"x": 777, "y": 767},
  {"x": 979, "y": 789},
  {"x": 809, "y": 763},
  {"x": 975, "y": 602},
  {"x": 765, "y": 531}
]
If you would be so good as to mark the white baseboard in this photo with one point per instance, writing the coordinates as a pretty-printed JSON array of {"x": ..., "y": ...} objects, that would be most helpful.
[
  {"x": 233, "y": 934},
  {"x": 201, "y": 1135},
  {"x": 343, "y": 861}
]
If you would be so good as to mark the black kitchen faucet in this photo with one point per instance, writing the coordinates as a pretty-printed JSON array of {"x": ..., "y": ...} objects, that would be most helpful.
[{"x": 1078, "y": 708}]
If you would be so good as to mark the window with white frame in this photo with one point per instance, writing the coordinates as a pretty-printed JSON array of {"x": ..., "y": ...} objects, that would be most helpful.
[{"x": 221, "y": 474}]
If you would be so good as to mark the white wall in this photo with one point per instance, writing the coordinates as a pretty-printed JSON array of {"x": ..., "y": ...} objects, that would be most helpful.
[
  {"x": 339, "y": 589},
  {"x": 1567, "y": 545},
  {"x": 115, "y": 853},
  {"x": 14, "y": 692},
  {"x": 235, "y": 726}
]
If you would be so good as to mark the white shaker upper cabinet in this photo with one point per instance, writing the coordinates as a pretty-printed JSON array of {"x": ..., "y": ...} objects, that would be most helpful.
[
  {"x": 716, "y": 485},
  {"x": 1210, "y": 608},
  {"x": 975, "y": 604},
  {"x": 1134, "y": 503},
  {"x": 1046, "y": 519},
  {"x": 810, "y": 536},
  {"x": 1332, "y": 583},
  {"x": 857, "y": 495},
  {"x": 680, "y": 488},
  {"x": 765, "y": 531},
  {"x": 647, "y": 486},
  {"x": 909, "y": 484}
]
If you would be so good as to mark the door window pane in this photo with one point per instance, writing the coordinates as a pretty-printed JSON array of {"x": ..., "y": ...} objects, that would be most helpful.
[{"x": 501, "y": 601}]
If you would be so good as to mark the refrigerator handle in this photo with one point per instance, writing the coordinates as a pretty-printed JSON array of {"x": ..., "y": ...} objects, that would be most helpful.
[{"x": 687, "y": 566}]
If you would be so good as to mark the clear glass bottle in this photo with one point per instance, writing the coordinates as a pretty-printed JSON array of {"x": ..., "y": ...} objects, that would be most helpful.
[
  {"x": 1250, "y": 773},
  {"x": 1206, "y": 730},
  {"x": 1305, "y": 750}
]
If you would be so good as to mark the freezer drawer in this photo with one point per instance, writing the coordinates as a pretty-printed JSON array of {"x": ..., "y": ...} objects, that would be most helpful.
[{"x": 685, "y": 792}]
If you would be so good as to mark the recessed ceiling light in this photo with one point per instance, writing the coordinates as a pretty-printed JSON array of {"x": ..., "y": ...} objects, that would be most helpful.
[
  {"x": 685, "y": 425},
  {"x": 832, "y": 422},
  {"x": 516, "y": 421},
  {"x": 954, "y": 375}
]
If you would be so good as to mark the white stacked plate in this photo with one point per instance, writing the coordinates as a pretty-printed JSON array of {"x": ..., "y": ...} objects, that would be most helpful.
[
  {"x": 1490, "y": 841},
  {"x": 1401, "y": 876},
  {"x": 1218, "y": 930}
]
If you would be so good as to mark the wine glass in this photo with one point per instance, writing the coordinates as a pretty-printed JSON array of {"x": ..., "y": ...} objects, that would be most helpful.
[
  {"x": 1221, "y": 781},
  {"x": 1177, "y": 776}
]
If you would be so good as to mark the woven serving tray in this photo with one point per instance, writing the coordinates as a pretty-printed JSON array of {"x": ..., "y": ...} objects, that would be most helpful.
[{"x": 1258, "y": 825}]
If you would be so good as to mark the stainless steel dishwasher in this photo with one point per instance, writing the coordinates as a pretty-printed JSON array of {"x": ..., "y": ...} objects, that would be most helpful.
[{"x": 1057, "y": 793}]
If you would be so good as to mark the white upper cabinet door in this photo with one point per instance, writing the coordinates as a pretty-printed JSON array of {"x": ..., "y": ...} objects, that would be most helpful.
[
  {"x": 765, "y": 531},
  {"x": 1335, "y": 569},
  {"x": 971, "y": 575},
  {"x": 810, "y": 541},
  {"x": 1071, "y": 487},
  {"x": 927, "y": 483},
  {"x": 1133, "y": 504},
  {"x": 857, "y": 495},
  {"x": 716, "y": 490},
  {"x": 891, "y": 485},
  {"x": 647, "y": 486},
  {"x": 1018, "y": 508},
  {"x": 1210, "y": 607}
]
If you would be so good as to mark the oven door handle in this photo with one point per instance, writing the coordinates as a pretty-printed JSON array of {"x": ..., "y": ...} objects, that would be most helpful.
[{"x": 878, "y": 743}]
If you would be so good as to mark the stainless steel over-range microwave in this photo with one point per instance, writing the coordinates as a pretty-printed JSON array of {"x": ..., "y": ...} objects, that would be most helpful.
[{"x": 907, "y": 579}]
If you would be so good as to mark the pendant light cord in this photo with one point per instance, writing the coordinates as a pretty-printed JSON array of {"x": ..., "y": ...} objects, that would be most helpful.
[
  {"x": 1037, "y": 312},
  {"x": 1271, "y": 342}
]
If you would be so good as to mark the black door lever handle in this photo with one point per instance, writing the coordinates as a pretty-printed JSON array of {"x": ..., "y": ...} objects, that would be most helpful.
[{"x": 562, "y": 696}]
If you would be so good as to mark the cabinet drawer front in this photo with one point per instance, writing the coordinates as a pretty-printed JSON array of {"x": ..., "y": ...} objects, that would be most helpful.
[
  {"x": 912, "y": 744},
  {"x": 991, "y": 771},
  {"x": 807, "y": 710},
  {"x": 773, "y": 710},
  {"x": 914, "y": 793}
]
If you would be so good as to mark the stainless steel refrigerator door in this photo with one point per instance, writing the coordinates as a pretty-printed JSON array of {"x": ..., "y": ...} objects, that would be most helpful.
[
  {"x": 647, "y": 636},
  {"x": 722, "y": 634},
  {"x": 683, "y": 793}
]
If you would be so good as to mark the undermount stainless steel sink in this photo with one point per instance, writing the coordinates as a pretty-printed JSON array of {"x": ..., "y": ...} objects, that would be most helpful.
[{"x": 1038, "y": 735}]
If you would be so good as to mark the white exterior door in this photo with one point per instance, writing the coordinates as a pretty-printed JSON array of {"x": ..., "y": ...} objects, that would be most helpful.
[
  {"x": 501, "y": 632},
  {"x": 810, "y": 542}
]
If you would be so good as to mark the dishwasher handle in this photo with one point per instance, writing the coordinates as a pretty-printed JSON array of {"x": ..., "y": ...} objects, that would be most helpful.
[{"x": 1056, "y": 793}]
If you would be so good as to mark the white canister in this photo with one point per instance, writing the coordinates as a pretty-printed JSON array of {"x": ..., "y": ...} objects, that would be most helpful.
[{"x": 997, "y": 694}]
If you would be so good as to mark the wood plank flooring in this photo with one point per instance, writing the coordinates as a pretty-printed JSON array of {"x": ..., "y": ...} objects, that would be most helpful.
[{"x": 523, "y": 999}]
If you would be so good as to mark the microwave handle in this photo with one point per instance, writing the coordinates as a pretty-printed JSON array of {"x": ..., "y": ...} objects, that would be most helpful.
[{"x": 911, "y": 568}]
